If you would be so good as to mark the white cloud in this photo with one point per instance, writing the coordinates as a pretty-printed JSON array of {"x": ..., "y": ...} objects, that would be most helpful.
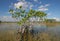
[
  {"x": 48, "y": 14},
  {"x": 46, "y": 5},
  {"x": 31, "y": 6},
  {"x": 8, "y": 18},
  {"x": 57, "y": 19},
  {"x": 40, "y": 2},
  {"x": 24, "y": 4},
  {"x": 11, "y": 5},
  {"x": 35, "y": 0},
  {"x": 34, "y": 19},
  {"x": 20, "y": 0},
  {"x": 43, "y": 7}
]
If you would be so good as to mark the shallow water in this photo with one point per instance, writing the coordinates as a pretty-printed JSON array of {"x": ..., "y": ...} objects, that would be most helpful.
[{"x": 10, "y": 29}]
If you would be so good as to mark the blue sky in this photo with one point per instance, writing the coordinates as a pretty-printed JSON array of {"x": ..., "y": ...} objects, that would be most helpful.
[{"x": 51, "y": 7}]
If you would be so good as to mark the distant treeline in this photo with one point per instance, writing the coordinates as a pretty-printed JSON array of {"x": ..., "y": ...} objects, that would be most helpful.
[
  {"x": 7, "y": 22},
  {"x": 49, "y": 21},
  {"x": 0, "y": 21}
]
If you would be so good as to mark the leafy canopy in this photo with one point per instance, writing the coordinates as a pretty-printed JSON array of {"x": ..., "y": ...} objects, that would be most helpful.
[{"x": 25, "y": 15}]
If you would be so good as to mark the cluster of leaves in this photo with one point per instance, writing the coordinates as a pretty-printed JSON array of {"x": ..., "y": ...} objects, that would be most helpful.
[{"x": 17, "y": 13}]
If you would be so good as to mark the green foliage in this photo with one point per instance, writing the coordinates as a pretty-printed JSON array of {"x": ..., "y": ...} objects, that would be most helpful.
[
  {"x": 11, "y": 11},
  {"x": 40, "y": 14},
  {"x": 26, "y": 15},
  {"x": 20, "y": 7}
]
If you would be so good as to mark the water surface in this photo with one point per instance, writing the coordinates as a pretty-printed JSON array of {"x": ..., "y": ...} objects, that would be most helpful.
[{"x": 8, "y": 31}]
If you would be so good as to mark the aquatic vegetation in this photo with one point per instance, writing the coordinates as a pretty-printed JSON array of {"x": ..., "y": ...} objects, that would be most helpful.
[{"x": 30, "y": 34}]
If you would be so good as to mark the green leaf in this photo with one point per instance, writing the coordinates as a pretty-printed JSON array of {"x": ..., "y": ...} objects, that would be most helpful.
[{"x": 20, "y": 7}]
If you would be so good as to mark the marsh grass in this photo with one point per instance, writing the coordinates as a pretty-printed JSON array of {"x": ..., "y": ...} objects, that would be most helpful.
[
  {"x": 7, "y": 36},
  {"x": 13, "y": 35},
  {"x": 43, "y": 36},
  {"x": 39, "y": 36}
]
